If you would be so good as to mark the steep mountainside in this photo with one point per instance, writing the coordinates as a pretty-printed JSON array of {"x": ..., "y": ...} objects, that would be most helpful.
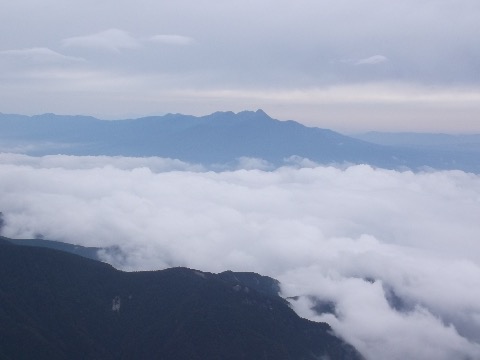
[
  {"x": 221, "y": 137},
  {"x": 56, "y": 305}
]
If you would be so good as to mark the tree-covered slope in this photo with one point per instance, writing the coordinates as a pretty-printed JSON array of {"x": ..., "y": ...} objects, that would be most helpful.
[{"x": 56, "y": 305}]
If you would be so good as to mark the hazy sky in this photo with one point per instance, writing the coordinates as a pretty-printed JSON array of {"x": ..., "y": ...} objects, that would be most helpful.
[
  {"x": 322, "y": 231},
  {"x": 347, "y": 65}
]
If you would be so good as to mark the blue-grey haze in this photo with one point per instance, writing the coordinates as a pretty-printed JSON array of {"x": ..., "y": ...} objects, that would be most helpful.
[{"x": 224, "y": 137}]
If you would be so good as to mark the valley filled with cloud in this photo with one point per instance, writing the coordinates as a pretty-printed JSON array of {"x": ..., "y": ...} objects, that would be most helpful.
[{"x": 390, "y": 259}]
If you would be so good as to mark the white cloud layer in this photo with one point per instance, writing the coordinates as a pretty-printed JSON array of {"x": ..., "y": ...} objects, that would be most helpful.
[{"x": 396, "y": 252}]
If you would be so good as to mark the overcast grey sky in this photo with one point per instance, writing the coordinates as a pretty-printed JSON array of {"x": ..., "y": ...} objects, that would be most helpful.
[{"x": 348, "y": 65}]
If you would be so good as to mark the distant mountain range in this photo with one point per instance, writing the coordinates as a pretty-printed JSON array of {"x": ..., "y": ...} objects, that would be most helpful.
[
  {"x": 223, "y": 137},
  {"x": 440, "y": 142},
  {"x": 58, "y": 305}
]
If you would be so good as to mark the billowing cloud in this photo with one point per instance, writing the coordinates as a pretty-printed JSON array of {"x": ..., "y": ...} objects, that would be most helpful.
[
  {"x": 394, "y": 255},
  {"x": 156, "y": 164},
  {"x": 111, "y": 39},
  {"x": 253, "y": 163}
]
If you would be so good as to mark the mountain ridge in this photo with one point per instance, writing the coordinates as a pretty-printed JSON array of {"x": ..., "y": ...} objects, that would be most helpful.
[
  {"x": 68, "y": 307},
  {"x": 218, "y": 138}
]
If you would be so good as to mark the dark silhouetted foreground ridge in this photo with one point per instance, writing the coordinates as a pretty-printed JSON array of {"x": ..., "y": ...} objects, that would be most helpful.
[{"x": 57, "y": 305}]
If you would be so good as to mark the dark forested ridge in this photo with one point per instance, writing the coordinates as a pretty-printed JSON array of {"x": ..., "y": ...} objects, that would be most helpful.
[
  {"x": 219, "y": 138},
  {"x": 57, "y": 305}
]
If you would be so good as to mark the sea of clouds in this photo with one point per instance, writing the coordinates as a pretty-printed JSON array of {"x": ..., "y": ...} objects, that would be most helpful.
[{"x": 395, "y": 254}]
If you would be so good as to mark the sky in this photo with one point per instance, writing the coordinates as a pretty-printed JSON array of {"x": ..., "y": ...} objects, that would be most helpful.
[
  {"x": 347, "y": 65},
  {"x": 356, "y": 236}
]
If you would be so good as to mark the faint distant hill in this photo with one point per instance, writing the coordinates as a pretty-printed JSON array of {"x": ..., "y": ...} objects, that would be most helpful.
[
  {"x": 219, "y": 138},
  {"x": 57, "y": 305},
  {"x": 460, "y": 151},
  {"x": 440, "y": 142},
  {"x": 87, "y": 252}
]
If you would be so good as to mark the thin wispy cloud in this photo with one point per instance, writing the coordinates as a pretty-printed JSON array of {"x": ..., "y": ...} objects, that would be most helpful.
[
  {"x": 372, "y": 60},
  {"x": 111, "y": 40},
  {"x": 117, "y": 39},
  {"x": 39, "y": 55}
]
